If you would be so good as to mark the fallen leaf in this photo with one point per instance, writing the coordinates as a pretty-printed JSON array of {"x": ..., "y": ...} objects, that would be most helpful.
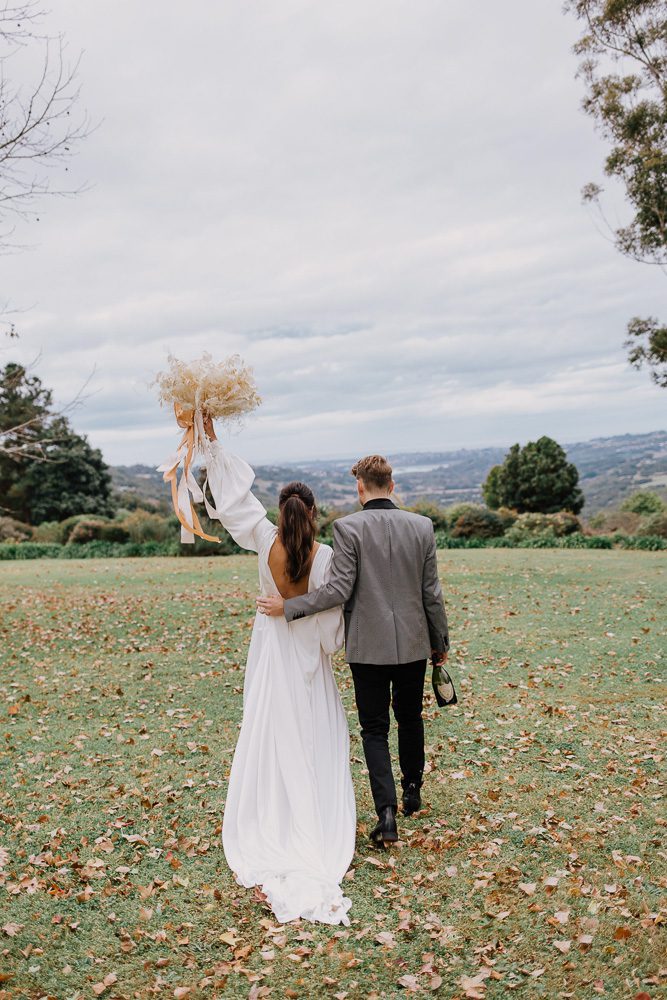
[
  {"x": 409, "y": 983},
  {"x": 474, "y": 987},
  {"x": 622, "y": 933},
  {"x": 109, "y": 980},
  {"x": 11, "y": 929}
]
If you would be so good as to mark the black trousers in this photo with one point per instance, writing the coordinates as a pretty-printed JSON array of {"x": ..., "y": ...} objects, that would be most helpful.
[{"x": 376, "y": 686}]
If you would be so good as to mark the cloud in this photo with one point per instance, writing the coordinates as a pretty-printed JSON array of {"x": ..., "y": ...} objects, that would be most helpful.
[{"x": 376, "y": 204}]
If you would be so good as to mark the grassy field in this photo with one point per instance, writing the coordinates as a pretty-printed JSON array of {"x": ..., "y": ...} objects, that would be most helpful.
[{"x": 538, "y": 867}]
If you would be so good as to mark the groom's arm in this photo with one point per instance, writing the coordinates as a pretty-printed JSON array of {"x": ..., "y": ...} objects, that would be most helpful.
[
  {"x": 434, "y": 606},
  {"x": 340, "y": 585}
]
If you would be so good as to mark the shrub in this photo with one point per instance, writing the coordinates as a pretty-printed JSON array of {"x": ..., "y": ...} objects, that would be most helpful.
[
  {"x": 579, "y": 541},
  {"x": 507, "y": 516},
  {"x": 69, "y": 524},
  {"x": 12, "y": 530},
  {"x": 564, "y": 522},
  {"x": 478, "y": 522},
  {"x": 434, "y": 513},
  {"x": 100, "y": 549},
  {"x": 594, "y": 543},
  {"x": 325, "y": 519},
  {"x": 651, "y": 543},
  {"x": 446, "y": 541},
  {"x": 541, "y": 540},
  {"x": 450, "y": 515},
  {"x": 226, "y": 547},
  {"x": 85, "y": 530},
  {"x": 29, "y": 550},
  {"x": 529, "y": 526},
  {"x": 113, "y": 532},
  {"x": 623, "y": 521},
  {"x": 548, "y": 540},
  {"x": 140, "y": 526},
  {"x": 48, "y": 531},
  {"x": 501, "y": 542},
  {"x": 655, "y": 526},
  {"x": 644, "y": 502}
]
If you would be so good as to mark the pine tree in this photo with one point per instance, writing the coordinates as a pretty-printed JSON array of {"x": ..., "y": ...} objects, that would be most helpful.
[{"x": 537, "y": 478}]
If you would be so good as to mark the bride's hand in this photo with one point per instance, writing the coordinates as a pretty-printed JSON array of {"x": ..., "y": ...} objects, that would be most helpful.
[
  {"x": 209, "y": 429},
  {"x": 272, "y": 605}
]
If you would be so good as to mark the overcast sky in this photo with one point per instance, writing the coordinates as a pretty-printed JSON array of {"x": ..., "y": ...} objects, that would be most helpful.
[{"x": 377, "y": 203}]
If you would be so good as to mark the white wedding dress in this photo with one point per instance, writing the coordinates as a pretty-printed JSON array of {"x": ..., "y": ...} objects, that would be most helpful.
[{"x": 290, "y": 819}]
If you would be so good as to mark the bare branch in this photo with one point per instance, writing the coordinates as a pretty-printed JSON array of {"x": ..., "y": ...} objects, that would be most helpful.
[
  {"x": 17, "y": 443},
  {"x": 39, "y": 127}
]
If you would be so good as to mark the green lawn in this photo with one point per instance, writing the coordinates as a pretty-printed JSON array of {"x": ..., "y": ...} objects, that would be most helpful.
[{"x": 537, "y": 869}]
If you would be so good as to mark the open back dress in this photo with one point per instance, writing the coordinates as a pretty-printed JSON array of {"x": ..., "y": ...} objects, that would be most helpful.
[{"x": 289, "y": 822}]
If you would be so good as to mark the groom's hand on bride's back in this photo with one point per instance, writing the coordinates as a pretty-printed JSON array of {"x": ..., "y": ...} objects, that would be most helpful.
[{"x": 272, "y": 605}]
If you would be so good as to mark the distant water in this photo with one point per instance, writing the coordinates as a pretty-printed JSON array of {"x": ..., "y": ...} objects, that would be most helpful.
[{"x": 420, "y": 468}]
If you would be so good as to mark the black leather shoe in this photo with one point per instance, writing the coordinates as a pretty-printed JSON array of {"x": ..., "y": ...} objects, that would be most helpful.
[
  {"x": 412, "y": 801},
  {"x": 385, "y": 832}
]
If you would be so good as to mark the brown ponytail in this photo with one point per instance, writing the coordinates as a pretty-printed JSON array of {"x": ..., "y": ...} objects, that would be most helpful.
[{"x": 296, "y": 527}]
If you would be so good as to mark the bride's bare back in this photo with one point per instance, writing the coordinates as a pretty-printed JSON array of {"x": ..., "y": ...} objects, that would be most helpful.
[{"x": 278, "y": 567}]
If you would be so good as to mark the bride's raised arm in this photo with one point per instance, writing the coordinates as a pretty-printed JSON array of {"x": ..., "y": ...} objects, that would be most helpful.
[{"x": 236, "y": 507}]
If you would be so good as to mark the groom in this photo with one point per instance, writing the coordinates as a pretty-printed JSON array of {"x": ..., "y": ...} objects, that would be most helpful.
[{"x": 384, "y": 571}]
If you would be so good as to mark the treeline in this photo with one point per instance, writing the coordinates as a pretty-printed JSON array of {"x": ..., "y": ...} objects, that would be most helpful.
[
  {"x": 474, "y": 526},
  {"x": 641, "y": 523},
  {"x": 57, "y": 500}
]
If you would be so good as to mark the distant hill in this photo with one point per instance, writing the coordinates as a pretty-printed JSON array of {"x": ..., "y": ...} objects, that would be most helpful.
[{"x": 609, "y": 469}]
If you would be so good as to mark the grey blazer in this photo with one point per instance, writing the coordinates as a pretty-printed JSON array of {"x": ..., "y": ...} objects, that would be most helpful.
[{"x": 384, "y": 571}]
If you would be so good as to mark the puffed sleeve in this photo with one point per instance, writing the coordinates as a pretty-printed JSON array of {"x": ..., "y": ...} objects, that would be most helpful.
[
  {"x": 330, "y": 622},
  {"x": 236, "y": 507}
]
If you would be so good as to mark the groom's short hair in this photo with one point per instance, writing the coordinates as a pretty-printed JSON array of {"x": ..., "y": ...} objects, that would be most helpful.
[{"x": 374, "y": 470}]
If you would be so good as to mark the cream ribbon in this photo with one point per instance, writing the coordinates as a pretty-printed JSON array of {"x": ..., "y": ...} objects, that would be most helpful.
[{"x": 185, "y": 492}]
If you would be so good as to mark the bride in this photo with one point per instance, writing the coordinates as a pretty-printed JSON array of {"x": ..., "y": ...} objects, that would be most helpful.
[{"x": 289, "y": 821}]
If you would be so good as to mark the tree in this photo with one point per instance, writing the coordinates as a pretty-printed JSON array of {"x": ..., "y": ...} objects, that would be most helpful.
[
  {"x": 492, "y": 488},
  {"x": 47, "y": 470},
  {"x": 629, "y": 108},
  {"x": 24, "y": 410},
  {"x": 24, "y": 406},
  {"x": 647, "y": 345},
  {"x": 39, "y": 127},
  {"x": 73, "y": 478},
  {"x": 644, "y": 502},
  {"x": 504, "y": 481},
  {"x": 536, "y": 478}
]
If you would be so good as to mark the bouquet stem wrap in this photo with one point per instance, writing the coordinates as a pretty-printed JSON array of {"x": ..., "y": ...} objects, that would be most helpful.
[
  {"x": 222, "y": 390},
  {"x": 185, "y": 492}
]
